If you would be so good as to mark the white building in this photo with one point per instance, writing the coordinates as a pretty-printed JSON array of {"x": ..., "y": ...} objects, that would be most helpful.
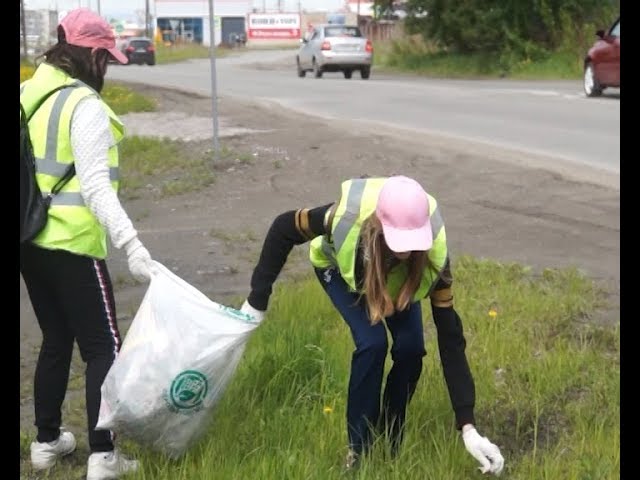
[{"x": 188, "y": 20}]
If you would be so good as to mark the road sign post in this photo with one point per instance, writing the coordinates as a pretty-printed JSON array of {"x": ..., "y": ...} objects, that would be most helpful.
[{"x": 214, "y": 92}]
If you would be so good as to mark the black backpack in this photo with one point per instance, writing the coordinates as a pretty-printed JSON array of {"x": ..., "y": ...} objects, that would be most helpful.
[{"x": 33, "y": 205}]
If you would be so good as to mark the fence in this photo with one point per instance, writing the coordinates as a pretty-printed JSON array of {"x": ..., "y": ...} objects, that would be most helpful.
[{"x": 381, "y": 30}]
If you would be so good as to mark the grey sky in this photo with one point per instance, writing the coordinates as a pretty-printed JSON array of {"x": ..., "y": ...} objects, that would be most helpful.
[{"x": 127, "y": 8}]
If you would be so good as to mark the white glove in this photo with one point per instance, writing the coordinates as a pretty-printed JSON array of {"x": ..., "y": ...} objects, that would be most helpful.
[
  {"x": 140, "y": 262},
  {"x": 483, "y": 450},
  {"x": 257, "y": 315}
]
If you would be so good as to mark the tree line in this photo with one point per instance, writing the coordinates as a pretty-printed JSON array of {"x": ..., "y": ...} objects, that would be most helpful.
[{"x": 525, "y": 27}]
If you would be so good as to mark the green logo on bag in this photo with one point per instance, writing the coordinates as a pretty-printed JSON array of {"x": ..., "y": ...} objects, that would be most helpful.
[{"x": 188, "y": 390}]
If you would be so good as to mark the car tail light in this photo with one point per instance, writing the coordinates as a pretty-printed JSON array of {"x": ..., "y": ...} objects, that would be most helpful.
[
  {"x": 151, "y": 48},
  {"x": 325, "y": 45},
  {"x": 368, "y": 47},
  {"x": 129, "y": 49}
]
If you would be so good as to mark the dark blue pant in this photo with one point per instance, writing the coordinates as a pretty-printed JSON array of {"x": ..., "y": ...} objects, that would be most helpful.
[{"x": 367, "y": 364}]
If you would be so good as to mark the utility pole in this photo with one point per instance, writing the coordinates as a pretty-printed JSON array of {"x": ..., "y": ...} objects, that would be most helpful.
[
  {"x": 358, "y": 14},
  {"x": 99, "y": 8},
  {"x": 24, "y": 28},
  {"x": 146, "y": 18},
  {"x": 214, "y": 90}
]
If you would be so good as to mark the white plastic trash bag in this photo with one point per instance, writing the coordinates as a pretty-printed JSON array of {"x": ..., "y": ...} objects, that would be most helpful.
[{"x": 176, "y": 359}]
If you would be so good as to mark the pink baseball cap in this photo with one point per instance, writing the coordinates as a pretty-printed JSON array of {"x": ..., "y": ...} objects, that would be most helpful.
[
  {"x": 84, "y": 28},
  {"x": 403, "y": 210}
]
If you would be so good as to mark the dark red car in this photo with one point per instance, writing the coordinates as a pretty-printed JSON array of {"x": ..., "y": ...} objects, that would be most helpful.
[{"x": 602, "y": 63}]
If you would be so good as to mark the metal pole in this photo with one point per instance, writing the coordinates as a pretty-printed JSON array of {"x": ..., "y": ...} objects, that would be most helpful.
[
  {"x": 214, "y": 92},
  {"x": 99, "y": 8},
  {"x": 146, "y": 18},
  {"x": 23, "y": 22},
  {"x": 358, "y": 14}
]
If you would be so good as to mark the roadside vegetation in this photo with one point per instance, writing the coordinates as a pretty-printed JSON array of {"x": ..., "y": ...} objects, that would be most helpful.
[
  {"x": 477, "y": 39},
  {"x": 180, "y": 52},
  {"x": 547, "y": 382}
]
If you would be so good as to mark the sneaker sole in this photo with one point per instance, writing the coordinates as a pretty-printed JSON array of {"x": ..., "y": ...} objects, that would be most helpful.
[{"x": 46, "y": 466}]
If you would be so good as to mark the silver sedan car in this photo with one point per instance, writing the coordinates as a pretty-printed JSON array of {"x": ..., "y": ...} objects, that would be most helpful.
[{"x": 335, "y": 48}]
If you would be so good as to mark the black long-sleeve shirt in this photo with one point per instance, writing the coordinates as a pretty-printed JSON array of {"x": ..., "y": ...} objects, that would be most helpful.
[{"x": 297, "y": 227}]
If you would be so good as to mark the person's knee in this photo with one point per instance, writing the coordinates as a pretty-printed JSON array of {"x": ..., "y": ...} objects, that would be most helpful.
[
  {"x": 57, "y": 348},
  {"x": 374, "y": 345},
  {"x": 410, "y": 352},
  {"x": 97, "y": 351}
]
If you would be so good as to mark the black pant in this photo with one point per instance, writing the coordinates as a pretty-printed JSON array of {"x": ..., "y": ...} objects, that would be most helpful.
[{"x": 72, "y": 298}]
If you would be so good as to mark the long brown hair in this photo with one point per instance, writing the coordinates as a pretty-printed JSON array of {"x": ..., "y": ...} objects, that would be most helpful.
[
  {"x": 81, "y": 63},
  {"x": 377, "y": 257}
]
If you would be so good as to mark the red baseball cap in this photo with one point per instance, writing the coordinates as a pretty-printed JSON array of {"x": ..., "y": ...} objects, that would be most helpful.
[
  {"x": 403, "y": 211},
  {"x": 84, "y": 28}
]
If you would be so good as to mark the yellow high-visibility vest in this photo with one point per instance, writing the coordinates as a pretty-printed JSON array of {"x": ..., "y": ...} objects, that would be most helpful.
[
  {"x": 357, "y": 202},
  {"x": 71, "y": 225}
]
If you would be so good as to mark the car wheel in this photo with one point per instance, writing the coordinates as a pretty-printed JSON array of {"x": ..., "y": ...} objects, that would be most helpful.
[
  {"x": 347, "y": 73},
  {"x": 301, "y": 72},
  {"x": 317, "y": 70},
  {"x": 365, "y": 72},
  {"x": 151, "y": 63},
  {"x": 591, "y": 86}
]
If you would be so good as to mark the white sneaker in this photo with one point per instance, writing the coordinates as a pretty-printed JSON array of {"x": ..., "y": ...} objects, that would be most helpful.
[
  {"x": 109, "y": 465},
  {"x": 45, "y": 455}
]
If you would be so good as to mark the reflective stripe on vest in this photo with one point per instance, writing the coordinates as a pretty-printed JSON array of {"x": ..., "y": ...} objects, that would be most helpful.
[{"x": 351, "y": 213}]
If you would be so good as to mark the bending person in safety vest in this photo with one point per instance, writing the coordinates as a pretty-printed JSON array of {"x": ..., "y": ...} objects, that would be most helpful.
[
  {"x": 378, "y": 251},
  {"x": 64, "y": 267}
]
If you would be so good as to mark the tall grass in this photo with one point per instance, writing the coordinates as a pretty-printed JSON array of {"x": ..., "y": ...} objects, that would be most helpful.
[
  {"x": 415, "y": 55},
  {"x": 547, "y": 382}
]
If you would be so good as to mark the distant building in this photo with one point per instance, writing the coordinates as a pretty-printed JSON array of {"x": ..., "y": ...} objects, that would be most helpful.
[
  {"x": 41, "y": 29},
  {"x": 187, "y": 21},
  {"x": 253, "y": 21}
]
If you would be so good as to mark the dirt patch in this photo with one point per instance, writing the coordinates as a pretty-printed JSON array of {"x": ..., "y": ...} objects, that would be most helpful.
[{"x": 493, "y": 206}]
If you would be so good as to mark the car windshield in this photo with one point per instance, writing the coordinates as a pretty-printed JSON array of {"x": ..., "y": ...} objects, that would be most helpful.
[
  {"x": 139, "y": 43},
  {"x": 342, "y": 31}
]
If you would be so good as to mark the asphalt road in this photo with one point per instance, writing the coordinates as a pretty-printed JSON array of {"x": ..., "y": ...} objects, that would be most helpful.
[{"x": 548, "y": 118}]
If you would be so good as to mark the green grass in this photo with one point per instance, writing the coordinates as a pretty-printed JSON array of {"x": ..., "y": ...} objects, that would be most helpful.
[
  {"x": 123, "y": 100},
  {"x": 413, "y": 55},
  {"x": 164, "y": 167},
  {"x": 547, "y": 383},
  {"x": 182, "y": 52}
]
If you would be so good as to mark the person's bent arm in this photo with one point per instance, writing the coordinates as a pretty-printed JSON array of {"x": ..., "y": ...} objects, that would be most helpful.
[{"x": 289, "y": 229}]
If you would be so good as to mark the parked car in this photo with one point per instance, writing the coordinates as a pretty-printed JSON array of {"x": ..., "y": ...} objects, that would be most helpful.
[
  {"x": 140, "y": 50},
  {"x": 602, "y": 63},
  {"x": 335, "y": 48}
]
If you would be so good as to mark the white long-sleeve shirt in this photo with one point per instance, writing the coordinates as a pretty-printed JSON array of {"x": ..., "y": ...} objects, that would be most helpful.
[{"x": 91, "y": 139}]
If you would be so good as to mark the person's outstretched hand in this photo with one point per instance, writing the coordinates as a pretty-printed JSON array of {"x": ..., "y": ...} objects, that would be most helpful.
[
  {"x": 483, "y": 450},
  {"x": 257, "y": 315}
]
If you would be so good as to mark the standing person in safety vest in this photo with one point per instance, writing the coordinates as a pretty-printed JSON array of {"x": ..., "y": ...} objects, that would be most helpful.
[
  {"x": 64, "y": 267},
  {"x": 378, "y": 251}
]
